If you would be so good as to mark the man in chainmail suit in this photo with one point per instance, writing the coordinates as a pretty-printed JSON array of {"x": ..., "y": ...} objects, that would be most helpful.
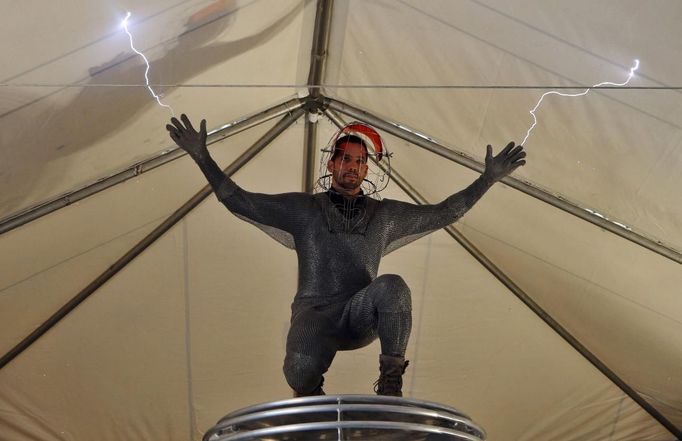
[{"x": 339, "y": 237}]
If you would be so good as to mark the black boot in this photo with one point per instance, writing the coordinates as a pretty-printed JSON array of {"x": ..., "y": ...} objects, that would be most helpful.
[
  {"x": 317, "y": 391},
  {"x": 390, "y": 380}
]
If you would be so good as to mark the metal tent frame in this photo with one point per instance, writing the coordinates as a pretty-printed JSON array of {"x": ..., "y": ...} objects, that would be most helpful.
[{"x": 311, "y": 107}]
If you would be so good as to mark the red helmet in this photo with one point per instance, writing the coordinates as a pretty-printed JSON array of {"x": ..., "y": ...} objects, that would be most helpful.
[{"x": 368, "y": 133}]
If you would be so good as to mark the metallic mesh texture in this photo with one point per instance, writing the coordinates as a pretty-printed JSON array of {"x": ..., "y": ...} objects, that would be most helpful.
[
  {"x": 382, "y": 309},
  {"x": 341, "y": 304},
  {"x": 338, "y": 256}
]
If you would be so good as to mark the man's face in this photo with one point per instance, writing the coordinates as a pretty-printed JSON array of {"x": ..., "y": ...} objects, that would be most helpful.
[{"x": 349, "y": 168}]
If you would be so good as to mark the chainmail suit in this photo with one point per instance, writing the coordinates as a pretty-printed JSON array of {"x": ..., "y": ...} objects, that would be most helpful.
[{"x": 341, "y": 304}]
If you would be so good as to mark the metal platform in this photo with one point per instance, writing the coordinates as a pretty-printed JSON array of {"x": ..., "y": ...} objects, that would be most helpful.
[{"x": 346, "y": 417}]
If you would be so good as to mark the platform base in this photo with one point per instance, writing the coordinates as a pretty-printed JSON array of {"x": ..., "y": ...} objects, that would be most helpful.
[{"x": 346, "y": 417}]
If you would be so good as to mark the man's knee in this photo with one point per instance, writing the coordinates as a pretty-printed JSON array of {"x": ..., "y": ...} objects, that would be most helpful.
[
  {"x": 303, "y": 372},
  {"x": 393, "y": 293}
]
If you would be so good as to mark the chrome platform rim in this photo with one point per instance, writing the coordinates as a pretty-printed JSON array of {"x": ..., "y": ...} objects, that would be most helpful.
[{"x": 346, "y": 417}]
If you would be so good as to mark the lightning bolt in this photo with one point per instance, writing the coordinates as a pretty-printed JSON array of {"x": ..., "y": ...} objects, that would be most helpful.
[
  {"x": 585, "y": 92},
  {"x": 146, "y": 72}
]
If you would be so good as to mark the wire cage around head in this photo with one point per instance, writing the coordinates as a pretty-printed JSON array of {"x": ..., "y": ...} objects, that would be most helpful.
[{"x": 379, "y": 158}]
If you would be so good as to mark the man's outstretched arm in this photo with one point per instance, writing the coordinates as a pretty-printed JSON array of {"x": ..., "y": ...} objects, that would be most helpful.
[
  {"x": 496, "y": 168},
  {"x": 194, "y": 143},
  {"x": 272, "y": 210},
  {"x": 417, "y": 220}
]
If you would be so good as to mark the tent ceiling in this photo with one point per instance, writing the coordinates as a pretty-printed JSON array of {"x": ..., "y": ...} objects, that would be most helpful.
[
  {"x": 619, "y": 149},
  {"x": 69, "y": 138},
  {"x": 69, "y": 250},
  {"x": 176, "y": 335},
  {"x": 169, "y": 344}
]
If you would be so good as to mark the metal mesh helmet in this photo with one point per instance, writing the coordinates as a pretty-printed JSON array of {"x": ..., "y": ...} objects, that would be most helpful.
[{"x": 379, "y": 165}]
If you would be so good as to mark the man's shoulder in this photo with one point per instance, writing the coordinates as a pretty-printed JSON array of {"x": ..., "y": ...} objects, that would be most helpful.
[
  {"x": 297, "y": 194},
  {"x": 299, "y": 198},
  {"x": 390, "y": 203},
  {"x": 292, "y": 195},
  {"x": 296, "y": 200}
]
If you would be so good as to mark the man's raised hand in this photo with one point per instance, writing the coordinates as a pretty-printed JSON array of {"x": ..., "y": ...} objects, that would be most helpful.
[
  {"x": 508, "y": 160},
  {"x": 188, "y": 139}
]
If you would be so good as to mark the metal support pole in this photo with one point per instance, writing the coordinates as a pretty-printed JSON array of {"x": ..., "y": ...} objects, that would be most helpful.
[
  {"x": 149, "y": 239},
  {"x": 318, "y": 55},
  {"x": 525, "y": 298},
  {"x": 429, "y": 144},
  {"x": 318, "y": 60},
  {"x": 309, "y": 138},
  {"x": 164, "y": 157}
]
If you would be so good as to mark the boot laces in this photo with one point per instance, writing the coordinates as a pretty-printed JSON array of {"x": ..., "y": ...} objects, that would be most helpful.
[{"x": 390, "y": 381}]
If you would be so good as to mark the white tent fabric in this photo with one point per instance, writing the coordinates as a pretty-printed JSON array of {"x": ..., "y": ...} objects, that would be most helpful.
[
  {"x": 76, "y": 138},
  {"x": 430, "y": 44},
  {"x": 194, "y": 327}
]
